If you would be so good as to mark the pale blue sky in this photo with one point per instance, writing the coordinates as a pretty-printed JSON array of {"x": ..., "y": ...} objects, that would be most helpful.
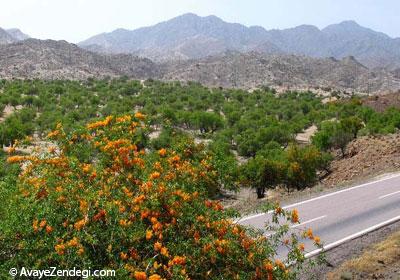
[{"x": 75, "y": 20}]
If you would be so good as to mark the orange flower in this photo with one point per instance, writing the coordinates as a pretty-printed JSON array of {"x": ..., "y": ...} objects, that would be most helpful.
[
  {"x": 35, "y": 226},
  {"x": 177, "y": 260},
  {"x": 81, "y": 251},
  {"x": 139, "y": 275},
  {"x": 207, "y": 248},
  {"x": 140, "y": 116},
  {"x": 155, "y": 277},
  {"x": 80, "y": 224},
  {"x": 124, "y": 223},
  {"x": 43, "y": 223},
  {"x": 144, "y": 214},
  {"x": 16, "y": 159},
  {"x": 157, "y": 227},
  {"x": 196, "y": 236},
  {"x": 60, "y": 249},
  {"x": 53, "y": 134},
  {"x": 295, "y": 216},
  {"x": 268, "y": 266},
  {"x": 317, "y": 240},
  {"x": 301, "y": 247},
  {"x": 83, "y": 205},
  {"x": 100, "y": 215},
  {"x": 52, "y": 150},
  {"x": 156, "y": 265},
  {"x": 157, "y": 246},
  {"x": 175, "y": 159},
  {"x": 126, "y": 118},
  {"x": 162, "y": 152},
  {"x": 278, "y": 210},
  {"x": 11, "y": 150},
  {"x": 73, "y": 242},
  {"x": 49, "y": 229},
  {"x": 139, "y": 199},
  {"x": 86, "y": 168},
  {"x": 309, "y": 233},
  {"x": 98, "y": 124},
  {"x": 123, "y": 256},
  {"x": 149, "y": 234},
  {"x": 286, "y": 241},
  {"x": 155, "y": 175},
  {"x": 164, "y": 251},
  {"x": 279, "y": 264}
]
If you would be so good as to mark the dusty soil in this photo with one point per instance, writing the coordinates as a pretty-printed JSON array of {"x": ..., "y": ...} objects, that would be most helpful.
[
  {"x": 305, "y": 136},
  {"x": 367, "y": 159},
  {"x": 358, "y": 259},
  {"x": 382, "y": 102},
  {"x": 366, "y": 156},
  {"x": 381, "y": 261},
  {"x": 8, "y": 110}
]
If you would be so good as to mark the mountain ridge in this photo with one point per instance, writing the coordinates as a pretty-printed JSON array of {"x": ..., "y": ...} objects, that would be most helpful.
[
  {"x": 5, "y": 37},
  {"x": 49, "y": 59},
  {"x": 175, "y": 39}
]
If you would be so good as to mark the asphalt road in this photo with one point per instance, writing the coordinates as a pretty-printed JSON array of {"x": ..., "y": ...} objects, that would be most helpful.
[{"x": 343, "y": 215}]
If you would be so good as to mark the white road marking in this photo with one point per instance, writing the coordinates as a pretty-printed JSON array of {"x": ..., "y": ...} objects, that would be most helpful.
[
  {"x": 319, "y": 197},
  {"x": 390, "y": 194},
  {"x": 309, "y": 221},
  {"x": 353, "y": 236},
  {"x": 341, "y": 191}
]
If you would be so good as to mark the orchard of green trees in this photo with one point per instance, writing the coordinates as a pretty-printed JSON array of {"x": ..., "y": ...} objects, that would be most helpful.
[{"x": 260, "y": 126}]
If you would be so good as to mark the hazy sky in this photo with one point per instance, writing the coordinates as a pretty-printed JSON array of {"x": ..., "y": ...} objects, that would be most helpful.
[{"x": 76, "y": 20}]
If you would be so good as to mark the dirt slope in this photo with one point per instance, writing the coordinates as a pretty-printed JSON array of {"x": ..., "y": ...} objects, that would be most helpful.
[{"x": 366, "y": 156}]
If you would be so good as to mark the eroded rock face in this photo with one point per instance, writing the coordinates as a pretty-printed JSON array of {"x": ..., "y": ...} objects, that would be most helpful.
[
  {"x": 366, "y": 156},
  {"x": 191, "y": 37},
  {"x": 5, "y": 37},
  {"x": 50, "y": 59},
  {"x": 286, "y": 71},
  {"x": 383, "y": 102}
]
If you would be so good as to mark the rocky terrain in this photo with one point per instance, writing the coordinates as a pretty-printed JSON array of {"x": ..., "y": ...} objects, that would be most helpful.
[
  {"x": 366, "y": 156},
  {"x": 49, "y": 59},
  {"x": 381, "y": 103},
  {"x": 32, "y": 58},
  {"x": 11, "y": 35},
  {"x": 380, "y": 261},
  {"x": 191, "y": 37},
  {"x": 5, "y": 37},
  {"x": 17, "y": 34},
  {"x": 288, "y": 71}
]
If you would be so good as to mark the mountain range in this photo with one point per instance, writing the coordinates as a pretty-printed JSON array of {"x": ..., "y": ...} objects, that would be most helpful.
[
  {"x": 190, "y": 37},
  {"x": 344, "y": 56},
  {"x": 252, "y": 69},
  {"x": 8, "y": 36},
  {"x": 48, "y": 59}
]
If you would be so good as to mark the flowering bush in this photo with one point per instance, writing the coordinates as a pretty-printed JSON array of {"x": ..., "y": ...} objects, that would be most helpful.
[{"x": 101, "y": 200}]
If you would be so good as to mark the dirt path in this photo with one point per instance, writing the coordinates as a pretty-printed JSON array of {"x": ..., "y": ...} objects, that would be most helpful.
[
  {"x": 375, "y": 255},
  {"x": 305, "y": 137}
]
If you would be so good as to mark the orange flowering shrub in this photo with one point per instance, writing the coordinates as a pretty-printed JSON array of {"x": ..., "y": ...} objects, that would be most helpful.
[{"x": 103, "y": 201}]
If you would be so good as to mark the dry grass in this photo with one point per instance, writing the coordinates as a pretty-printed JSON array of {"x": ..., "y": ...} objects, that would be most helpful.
[{"x": 379, "y": 262}]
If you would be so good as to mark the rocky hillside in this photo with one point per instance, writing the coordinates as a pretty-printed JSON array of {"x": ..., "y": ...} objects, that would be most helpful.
[
  {"x": 11, "y": 35},
  {"x": 5, "y": 37},
  {"x": 49, "y": 59},
  {"x": 366, "y": 156},
  {"x": 17, "y": 34},
  {"x": 190, "y": 37},
  {"x": 184, "y": 37},
  {"x": 285, "y": 71}
]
